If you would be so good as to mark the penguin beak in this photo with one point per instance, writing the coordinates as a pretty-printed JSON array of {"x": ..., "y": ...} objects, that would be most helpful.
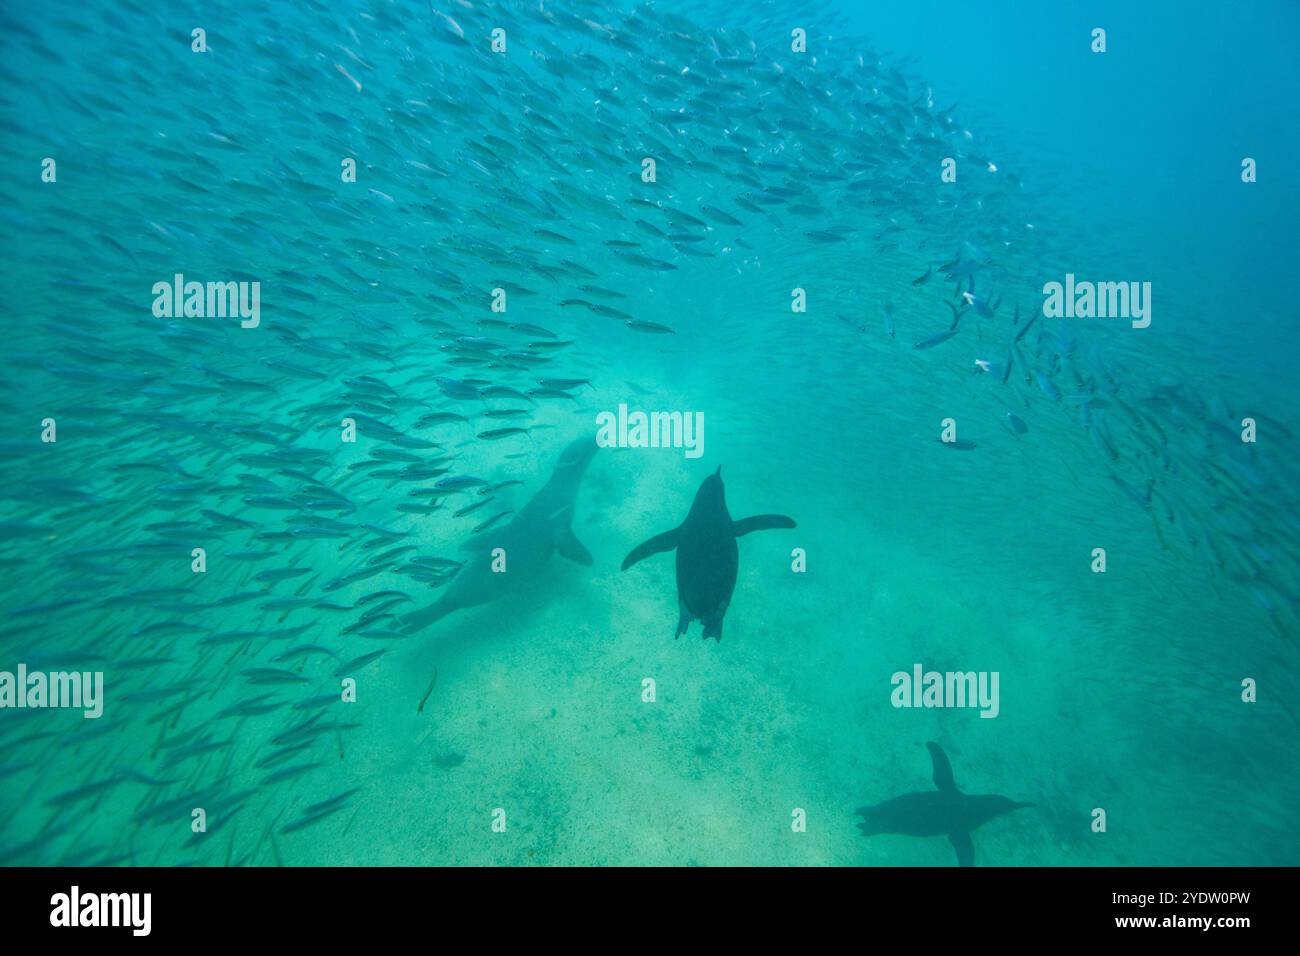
[{"x": 718, "y": 473}]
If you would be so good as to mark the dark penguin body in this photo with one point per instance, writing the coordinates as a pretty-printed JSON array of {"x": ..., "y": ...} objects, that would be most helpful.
[
  {"x": 942, "y": 811},
  {"x": 707, "y": 556},
  {"x": 540, "y": 529}
]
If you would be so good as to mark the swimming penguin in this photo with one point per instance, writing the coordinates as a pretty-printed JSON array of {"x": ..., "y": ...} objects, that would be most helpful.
[
  {"x": 707, "y": 555},
  {"x": 945, "y": 810}
]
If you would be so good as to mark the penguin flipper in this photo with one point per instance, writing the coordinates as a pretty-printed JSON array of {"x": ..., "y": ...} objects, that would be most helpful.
[
  {"x": 760, "y": 523},
  {"x": 660, "y": 542},
  {"x": 942, "y": 768},
  {"x": 573, "y": 549},
  {"x": 419, "y": 620}
]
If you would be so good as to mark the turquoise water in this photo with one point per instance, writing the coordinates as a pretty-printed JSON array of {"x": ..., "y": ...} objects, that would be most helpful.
[{"x": 224, "y": 673}]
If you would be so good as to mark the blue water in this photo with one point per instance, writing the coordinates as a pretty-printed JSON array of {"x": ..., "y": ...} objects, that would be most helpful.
[{"x": 234, "y": 526}]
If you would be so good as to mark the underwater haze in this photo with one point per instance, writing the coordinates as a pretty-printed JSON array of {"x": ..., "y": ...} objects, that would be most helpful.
[{"x": 388, "y": 385}]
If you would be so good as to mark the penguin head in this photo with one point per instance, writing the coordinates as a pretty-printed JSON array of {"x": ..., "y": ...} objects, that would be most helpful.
[
  {"x": 714, "y": 483},
  {"x": 995, "y": 805},
  {"x": 712, "y": 494},
  {"x": 575, "y": 457}
]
